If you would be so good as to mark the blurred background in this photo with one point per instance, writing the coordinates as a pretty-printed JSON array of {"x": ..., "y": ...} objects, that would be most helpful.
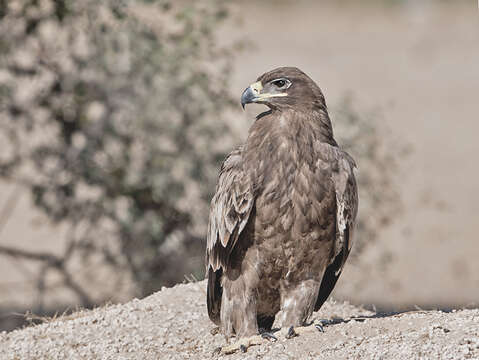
[{"x": 115, "y": 117}]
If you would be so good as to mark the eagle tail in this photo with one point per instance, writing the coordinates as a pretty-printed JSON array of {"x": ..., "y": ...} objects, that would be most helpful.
[{"x": 214, "y": 293}]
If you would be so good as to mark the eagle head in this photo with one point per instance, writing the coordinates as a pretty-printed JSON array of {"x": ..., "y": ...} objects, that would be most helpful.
[{"x": 284, "y": 87}]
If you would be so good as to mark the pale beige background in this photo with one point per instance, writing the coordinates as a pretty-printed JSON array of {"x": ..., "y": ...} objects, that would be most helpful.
[{"x": 419, "y": 63}]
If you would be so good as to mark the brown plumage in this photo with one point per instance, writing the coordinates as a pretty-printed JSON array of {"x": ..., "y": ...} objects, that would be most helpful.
[{"x": 282, "y": 219}]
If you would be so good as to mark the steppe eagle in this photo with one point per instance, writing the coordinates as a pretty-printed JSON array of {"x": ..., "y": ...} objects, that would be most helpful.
[{"x": 282, "y": 218}]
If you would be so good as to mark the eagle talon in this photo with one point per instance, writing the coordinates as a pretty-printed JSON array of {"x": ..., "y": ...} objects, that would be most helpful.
[
  {"x": 325, "y": 322},
  {"x": 291, "y": 333},
  {"x": 319, "y": 327},
  {"x": 269, "y": 336}
]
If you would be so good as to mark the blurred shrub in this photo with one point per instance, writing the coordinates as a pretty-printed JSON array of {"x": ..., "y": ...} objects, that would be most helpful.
[
  {"x": 365, "y": 136},
  {"x": 111, "y": 113}
]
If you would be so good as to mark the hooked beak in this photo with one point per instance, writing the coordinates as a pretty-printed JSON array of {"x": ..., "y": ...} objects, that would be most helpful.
[
  {"x": 255, "y": 94},
  {"x": 251, "y": 94}
]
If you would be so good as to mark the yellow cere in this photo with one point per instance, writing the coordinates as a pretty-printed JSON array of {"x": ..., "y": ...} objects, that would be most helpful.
[{"x": 258, "y": 86}]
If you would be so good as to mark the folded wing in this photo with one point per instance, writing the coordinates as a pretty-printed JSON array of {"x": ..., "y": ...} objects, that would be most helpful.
[
  {"x": 347, "y": 208},
  {"x": 229, "y": 213}
]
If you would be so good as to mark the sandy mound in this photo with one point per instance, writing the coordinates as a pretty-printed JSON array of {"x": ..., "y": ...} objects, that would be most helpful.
[{"x": 173, "y": 324}]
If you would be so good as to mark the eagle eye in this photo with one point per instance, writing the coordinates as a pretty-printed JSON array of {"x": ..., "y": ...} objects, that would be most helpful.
[{"x": 281, "y": 83}]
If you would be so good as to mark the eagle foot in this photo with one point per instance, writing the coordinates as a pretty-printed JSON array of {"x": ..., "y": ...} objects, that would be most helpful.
[
  {"x": 244, "y": 344},
  {"x": 292, "y": 331},
  {"x": 241, "y": 345}
]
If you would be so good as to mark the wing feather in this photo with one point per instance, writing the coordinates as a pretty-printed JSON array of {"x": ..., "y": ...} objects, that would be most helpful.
[
  {"x": 229, "y": 213},
  {"x": 347, "y": 208}
]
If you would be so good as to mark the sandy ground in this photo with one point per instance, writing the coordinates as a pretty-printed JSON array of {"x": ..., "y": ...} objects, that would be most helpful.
[
  {"x": 173, "y": 324},
  {"x": 419, "y": 64}
]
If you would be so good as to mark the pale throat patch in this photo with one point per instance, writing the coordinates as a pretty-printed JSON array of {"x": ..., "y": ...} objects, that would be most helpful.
[{"x": 282, "y": 121}]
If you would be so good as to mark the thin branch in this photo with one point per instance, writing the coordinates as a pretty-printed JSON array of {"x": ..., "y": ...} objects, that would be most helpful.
[
  {"x": 54, "y": 262},
  {"x": 9, "y": 207},
  {"x": 84, "y": 297},
  {"x": 51, "y": 259},
  {"x": 41, "y": 287}
]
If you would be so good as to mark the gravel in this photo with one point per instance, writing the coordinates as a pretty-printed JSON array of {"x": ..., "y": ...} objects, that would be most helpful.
[{"x": 173, "y": 324}]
